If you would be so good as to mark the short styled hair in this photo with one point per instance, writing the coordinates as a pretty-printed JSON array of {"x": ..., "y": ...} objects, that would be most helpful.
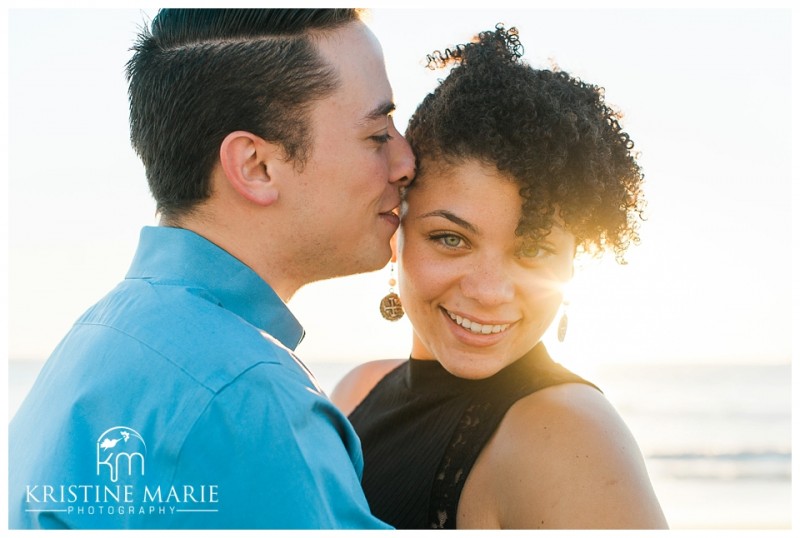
[
  {"x": 549, "y": 131},
  {"x": 197, "y": 75}
]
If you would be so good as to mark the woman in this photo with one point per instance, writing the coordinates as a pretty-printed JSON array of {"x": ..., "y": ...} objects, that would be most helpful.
[{"x": 518, "y": 170}]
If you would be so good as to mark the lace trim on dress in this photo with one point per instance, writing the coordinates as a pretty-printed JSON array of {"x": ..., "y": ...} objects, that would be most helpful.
[{"x": 457, "y": 461}]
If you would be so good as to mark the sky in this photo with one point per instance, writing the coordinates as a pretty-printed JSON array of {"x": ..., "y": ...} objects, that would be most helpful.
[{"x": 705, "y": 95}]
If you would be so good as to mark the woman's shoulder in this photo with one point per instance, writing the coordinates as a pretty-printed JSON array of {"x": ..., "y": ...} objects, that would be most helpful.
[
  {"x": 563, "y": 457},
  {"x": 359, "y": 381},
  {"x": 566, "y": 418},
  {"x": 561, "y": 404}
]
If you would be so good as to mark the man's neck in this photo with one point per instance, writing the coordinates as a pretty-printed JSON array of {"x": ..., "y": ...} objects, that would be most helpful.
[{"x": 235, "y": 243}]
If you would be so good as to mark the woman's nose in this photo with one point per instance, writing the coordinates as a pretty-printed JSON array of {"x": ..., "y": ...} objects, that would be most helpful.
[{"x": 489, "y": 284}]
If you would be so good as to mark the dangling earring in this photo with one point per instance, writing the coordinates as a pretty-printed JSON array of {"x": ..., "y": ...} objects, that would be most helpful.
[
  {"x": 391, "y": 307},
  {"x": 562, "y": 323}
]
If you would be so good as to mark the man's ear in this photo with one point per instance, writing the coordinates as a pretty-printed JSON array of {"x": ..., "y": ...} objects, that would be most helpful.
[{"x": 249, "y": 163}]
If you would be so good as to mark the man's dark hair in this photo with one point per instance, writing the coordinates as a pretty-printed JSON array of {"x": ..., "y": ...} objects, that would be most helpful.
[
  {"x": 550, "y": 132},
  {"x": 197, "y": 75}
]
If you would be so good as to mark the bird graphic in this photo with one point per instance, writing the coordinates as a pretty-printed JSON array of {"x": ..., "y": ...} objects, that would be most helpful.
[{"x": 109, "y": 443}]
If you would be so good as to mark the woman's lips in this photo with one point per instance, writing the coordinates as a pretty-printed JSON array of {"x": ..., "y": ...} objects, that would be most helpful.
[
  {"x": 478, "y": 328},
  {"x": 474, "y": 333}
]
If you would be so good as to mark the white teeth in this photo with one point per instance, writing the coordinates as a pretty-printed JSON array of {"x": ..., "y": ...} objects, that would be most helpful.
[{"x": 477, "y": 328}]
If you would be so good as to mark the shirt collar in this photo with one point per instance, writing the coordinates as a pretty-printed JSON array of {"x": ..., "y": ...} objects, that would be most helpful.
[{"x": 182, "y": 257}]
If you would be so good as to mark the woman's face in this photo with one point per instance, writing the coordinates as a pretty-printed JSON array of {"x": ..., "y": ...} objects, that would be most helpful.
[{"x": 479, "y": 296}]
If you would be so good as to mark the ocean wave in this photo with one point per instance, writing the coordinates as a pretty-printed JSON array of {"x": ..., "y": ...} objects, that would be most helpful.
[
  {"x": 769, "y": 465},
  {"x": 731, "y": 455}
]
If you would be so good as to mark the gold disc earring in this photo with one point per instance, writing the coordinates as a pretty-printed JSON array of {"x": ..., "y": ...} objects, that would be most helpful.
[{"x": 391, "y": 307}]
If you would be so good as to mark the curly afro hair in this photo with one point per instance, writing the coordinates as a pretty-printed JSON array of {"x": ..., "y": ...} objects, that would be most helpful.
[{"x": 549, "y": 131}]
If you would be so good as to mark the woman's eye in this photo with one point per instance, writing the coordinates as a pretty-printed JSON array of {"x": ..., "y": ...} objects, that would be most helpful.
[
  {"x": 535, "y": 251},
  {"x": 530, "y": 252},
  {"x": 448, "y": 240}
]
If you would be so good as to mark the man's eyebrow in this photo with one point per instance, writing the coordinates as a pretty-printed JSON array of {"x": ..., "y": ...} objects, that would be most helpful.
[
  {"x": 380, "y": 111},
  {"x": 443, "y": 213}
]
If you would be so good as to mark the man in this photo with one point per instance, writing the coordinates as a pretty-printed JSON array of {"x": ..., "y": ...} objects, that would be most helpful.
[{"x": 177, "y": 401}]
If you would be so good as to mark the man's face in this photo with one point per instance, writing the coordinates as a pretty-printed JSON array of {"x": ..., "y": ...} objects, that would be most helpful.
[{"x": 344, "y": 199}]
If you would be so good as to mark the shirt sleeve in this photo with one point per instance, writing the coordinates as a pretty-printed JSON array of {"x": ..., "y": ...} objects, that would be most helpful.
[{"x": 279, "y": 455}]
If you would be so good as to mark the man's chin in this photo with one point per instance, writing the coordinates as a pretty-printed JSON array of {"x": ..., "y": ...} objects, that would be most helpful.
[{"x": 362, "y": 266}]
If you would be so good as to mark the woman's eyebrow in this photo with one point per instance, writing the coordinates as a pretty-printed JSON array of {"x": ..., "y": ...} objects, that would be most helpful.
[{"x": 443, "y": 213}]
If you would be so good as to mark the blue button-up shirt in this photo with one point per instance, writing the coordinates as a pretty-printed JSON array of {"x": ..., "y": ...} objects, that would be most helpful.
[{"x": 177, "y": 402}]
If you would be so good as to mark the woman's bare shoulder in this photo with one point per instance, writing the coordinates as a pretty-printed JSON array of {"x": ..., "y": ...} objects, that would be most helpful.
[
  {"x": 562, "y": 457},
  {"x": 569, "y": 407},
  {"x": 359, "y": 381}
]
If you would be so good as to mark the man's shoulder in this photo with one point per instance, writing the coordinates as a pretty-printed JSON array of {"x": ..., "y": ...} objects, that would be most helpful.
[{"x": 184, "y": 327}]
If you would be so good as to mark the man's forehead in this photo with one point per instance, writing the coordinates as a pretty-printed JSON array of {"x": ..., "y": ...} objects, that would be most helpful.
[
  {"x": 353, "y": 41},
  {"x": 364, "y": 91}
]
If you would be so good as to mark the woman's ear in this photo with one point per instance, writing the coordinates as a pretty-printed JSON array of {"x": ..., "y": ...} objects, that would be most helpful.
[
  {"x": 249, "y": 163},
  {"x": 393, "y": 244}
]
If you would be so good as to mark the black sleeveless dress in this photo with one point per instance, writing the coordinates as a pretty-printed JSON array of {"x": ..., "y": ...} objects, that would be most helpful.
[{"x": 422, "y": 429}]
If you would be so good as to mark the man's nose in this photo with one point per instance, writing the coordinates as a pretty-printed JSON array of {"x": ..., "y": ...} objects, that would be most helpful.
[{"x": 402, "y": 163}]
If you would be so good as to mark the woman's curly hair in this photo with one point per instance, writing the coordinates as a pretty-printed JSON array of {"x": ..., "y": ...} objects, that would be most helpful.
[{"x": 550, "y": 131}]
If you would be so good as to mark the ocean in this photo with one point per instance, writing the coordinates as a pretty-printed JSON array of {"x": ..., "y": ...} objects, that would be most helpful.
[{"x": 716, "y": 438}]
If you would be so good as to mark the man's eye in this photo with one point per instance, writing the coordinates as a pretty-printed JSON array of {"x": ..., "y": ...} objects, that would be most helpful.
[{"x": 382, "y": 138}]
